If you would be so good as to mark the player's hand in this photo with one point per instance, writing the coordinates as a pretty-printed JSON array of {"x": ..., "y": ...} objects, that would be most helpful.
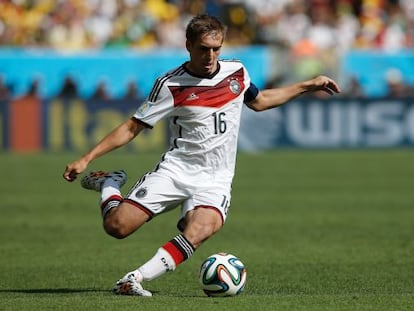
[
  {"x": 73, "y": 169},
  {"x": 326, "y": 84}
]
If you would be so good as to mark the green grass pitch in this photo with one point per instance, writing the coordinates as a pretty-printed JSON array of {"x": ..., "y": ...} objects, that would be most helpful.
[{"x": 317, "y": 230}]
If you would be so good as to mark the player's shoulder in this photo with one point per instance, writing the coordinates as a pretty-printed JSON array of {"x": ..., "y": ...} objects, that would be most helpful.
[
  {"x": 231, "y": 67},
  {"x": 178, "y": 71},
  {"x": 231, "y": 63},
  {"x": 230, "y": 60},
  {"x": 162, "y": 80}
]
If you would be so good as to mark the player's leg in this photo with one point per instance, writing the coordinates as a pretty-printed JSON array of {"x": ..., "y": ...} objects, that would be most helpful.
[
  {"x": 123, "y": 220},
  {"x": 120, "y": 218},
  {"x": 158, "y": 193},
  {"x": 202, "y": 215},
  {"x": 200, "y": 224},
  {"x": 200, "y": 219}
]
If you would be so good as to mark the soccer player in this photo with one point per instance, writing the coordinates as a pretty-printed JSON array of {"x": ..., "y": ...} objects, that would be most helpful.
[{"x": 202, "y": 99}]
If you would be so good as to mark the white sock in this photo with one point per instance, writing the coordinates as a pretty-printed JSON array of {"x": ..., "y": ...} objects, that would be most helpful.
[
  {"x": 161, "y": 263},
  {"x": 109, "y": 188}
]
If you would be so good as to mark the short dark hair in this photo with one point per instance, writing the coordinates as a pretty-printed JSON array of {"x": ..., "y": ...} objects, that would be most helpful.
[{"x": 203, "y": 24}]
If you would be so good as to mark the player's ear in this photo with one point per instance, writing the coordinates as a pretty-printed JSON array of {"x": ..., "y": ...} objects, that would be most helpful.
[{"x": 188, "y": 45}]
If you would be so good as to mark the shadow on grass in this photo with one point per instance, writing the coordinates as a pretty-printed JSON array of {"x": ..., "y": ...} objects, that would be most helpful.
[
  {"x": 60, "y": 291},
  {"x": 55, "y": 291}
]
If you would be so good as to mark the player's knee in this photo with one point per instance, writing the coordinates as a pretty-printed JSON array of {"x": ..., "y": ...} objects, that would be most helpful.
[
  {"x": 197, "y": 233},
  {"x": 120, "y": 222},
  {"x": 116, "y": 227}
]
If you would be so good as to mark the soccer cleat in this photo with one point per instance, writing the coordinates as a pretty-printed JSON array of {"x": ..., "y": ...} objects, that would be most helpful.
[
  {"x": 129, "y": 285},
  {"x": 94, "y": 180}
]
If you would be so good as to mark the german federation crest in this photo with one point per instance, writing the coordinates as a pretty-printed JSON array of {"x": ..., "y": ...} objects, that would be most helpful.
[{"x": 235, "y": 87}]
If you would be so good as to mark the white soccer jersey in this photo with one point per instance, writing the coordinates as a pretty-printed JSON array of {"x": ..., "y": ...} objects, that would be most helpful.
[{"x": 204, "y": 116}]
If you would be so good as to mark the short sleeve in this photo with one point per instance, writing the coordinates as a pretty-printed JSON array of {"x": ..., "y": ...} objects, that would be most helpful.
[{"x": 151, "y": 111}]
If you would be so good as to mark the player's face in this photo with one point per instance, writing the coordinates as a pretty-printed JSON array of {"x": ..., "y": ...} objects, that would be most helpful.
[{"x": 204, "y": 53}]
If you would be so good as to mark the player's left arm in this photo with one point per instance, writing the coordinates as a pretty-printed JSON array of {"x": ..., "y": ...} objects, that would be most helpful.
[{"x": 271, "y": 98}]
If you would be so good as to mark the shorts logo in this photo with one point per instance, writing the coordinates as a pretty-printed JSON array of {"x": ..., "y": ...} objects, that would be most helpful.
[
  {"x": 141, "y": 193},
  {"x": 235, "y": 87}
]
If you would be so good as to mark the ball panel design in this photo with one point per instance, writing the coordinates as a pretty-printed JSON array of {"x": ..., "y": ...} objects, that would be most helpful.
[{"x": 222, "y": 275}]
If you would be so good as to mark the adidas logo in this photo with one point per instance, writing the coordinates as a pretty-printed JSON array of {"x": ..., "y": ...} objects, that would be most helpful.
[{"x": 192, "y": 96}]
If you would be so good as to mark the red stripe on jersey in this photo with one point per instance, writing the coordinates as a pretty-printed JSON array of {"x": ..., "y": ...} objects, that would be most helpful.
[{"x": 210, "y": 96}]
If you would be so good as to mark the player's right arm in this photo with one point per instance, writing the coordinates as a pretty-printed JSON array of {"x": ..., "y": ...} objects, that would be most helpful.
[{"x": 119, "y": 137}]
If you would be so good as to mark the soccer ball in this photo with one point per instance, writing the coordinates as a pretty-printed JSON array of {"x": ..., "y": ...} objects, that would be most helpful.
[{"x": 222, "y": 275}]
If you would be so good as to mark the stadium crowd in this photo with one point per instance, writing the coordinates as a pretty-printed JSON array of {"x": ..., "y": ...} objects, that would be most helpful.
[
  {"x": 80, "y": 24},
  {"x": 313, "y": 33}
]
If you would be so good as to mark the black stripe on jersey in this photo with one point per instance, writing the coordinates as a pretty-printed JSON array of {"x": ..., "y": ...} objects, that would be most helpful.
[
  {"x": 162, "y": 159},
  {"x": 174, "y": 144},
  {"x": 180, "y": 132},
  {"x": 160, "y": 82},
  {"x": 159, "y": 163}
]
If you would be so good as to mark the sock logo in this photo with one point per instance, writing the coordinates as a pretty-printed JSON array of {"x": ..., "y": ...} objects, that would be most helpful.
[{"x": 164, "y": 261}]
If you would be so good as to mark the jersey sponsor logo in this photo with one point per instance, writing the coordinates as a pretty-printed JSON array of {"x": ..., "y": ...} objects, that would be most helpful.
[{"x": 210, "y": 96}]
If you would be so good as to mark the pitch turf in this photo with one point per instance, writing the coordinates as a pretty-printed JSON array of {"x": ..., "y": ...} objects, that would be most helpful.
[{"x": 317, "y": 230}]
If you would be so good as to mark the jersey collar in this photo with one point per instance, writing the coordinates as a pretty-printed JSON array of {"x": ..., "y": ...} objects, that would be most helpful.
[{"x": 200, "y": 76}]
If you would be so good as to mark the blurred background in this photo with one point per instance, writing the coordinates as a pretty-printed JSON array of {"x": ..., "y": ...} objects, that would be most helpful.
[{"x": 71, "y": 70}]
